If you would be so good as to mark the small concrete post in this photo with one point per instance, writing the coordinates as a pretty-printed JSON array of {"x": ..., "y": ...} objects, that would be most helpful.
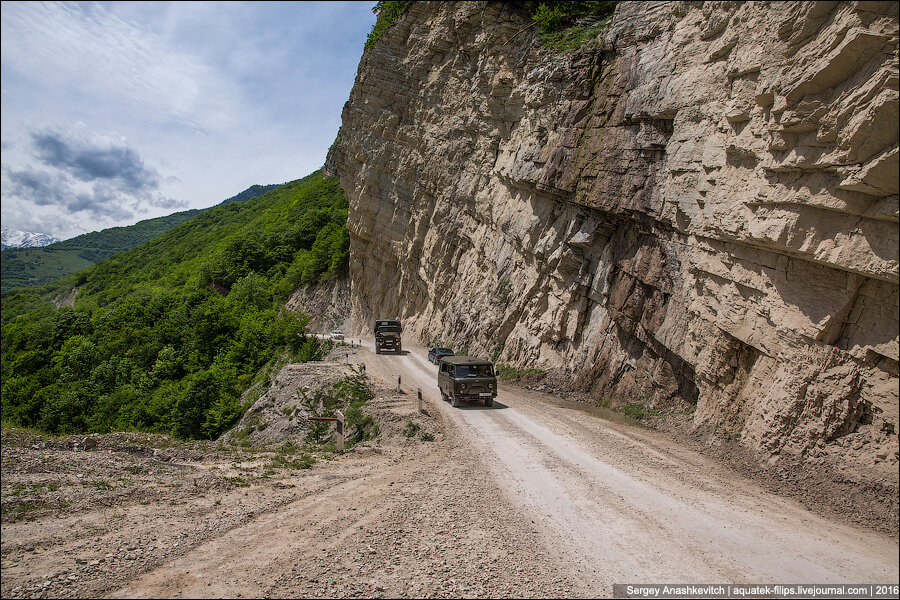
[
  {"x": 398, "y": 383},
  {"x": 340, "y": 431},
  {"x": 419, "y": 395},
  {"x": 338, "y": 428}
]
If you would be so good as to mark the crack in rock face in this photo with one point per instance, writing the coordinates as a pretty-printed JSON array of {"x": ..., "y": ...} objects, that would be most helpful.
[{"x": 698, "y": 209}]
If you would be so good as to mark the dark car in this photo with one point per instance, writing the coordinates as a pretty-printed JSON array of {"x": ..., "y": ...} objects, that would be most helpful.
[{"x": 435, "y": 354}]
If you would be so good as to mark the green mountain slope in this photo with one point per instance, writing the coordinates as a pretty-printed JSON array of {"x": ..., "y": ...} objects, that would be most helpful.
[
  {"x": 168, "y": 335},
  {"x": 23, "y": 267}
]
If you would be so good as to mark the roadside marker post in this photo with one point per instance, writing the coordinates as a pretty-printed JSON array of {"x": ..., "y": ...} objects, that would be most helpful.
[
  {"x": 419, "y": 395},
  {"x": 398, "y": 384},
  {"x": 339, "y": 428}
]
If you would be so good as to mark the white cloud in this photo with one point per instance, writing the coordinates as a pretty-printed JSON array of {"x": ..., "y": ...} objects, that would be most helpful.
[
  {"x": 91, "y": 53},
  {"x": 204, "y": 99},
  {"x": 86, "y": 176}
]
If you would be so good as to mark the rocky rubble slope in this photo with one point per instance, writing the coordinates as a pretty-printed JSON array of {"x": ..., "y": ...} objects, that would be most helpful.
[
  {"x": 326, "y": 304},
  {"x": 697, "y": 210}
]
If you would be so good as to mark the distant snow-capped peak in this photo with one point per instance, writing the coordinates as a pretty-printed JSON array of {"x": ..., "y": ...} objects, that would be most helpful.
[{"x": 10, "y": 238}]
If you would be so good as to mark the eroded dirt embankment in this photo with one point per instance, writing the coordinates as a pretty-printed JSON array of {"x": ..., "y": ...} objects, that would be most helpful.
[{"x": 132, "y": 515}]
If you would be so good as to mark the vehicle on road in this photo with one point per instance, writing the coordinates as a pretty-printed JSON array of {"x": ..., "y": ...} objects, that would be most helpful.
[
  {"x": 337, "y": 334},
  {"x": 466, "y": 378},
  {"x": 436, "y": 354},
  {"x": 387, "y": 336}
]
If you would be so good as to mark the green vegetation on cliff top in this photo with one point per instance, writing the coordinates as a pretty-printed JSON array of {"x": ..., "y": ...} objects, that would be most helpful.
[
  {"x": 554, "y": 18},
  {"x": 167, "y": 336},
  {"x": 386, "y": 13}
]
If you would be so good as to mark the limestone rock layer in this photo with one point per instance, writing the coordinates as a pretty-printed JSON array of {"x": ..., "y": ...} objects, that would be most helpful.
[{"x": 698, "y": 209}]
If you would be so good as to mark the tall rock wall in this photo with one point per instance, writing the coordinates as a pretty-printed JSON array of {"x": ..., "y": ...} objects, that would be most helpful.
[{"x": 697, "y": 209}]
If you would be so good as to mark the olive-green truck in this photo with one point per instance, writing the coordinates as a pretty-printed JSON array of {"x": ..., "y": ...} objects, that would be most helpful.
[{"x": 387, "y": 336}]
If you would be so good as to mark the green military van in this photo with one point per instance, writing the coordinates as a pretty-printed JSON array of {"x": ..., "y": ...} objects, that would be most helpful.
[
  {"x": 467, "y": 378},
  {"x": 387, "y": 336}
]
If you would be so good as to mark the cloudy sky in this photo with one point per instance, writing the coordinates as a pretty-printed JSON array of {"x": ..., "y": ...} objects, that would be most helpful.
[{"x": 115, "y": 112}]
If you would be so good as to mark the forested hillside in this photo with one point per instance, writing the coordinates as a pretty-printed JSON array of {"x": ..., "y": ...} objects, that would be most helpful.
[
  {"x": 167, "y": 336},
  {"x": 23, "y": 267}
]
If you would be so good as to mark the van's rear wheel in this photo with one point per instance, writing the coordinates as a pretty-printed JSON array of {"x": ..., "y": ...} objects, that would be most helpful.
[
  {"x": 444, "y": 396},
  {"x": 454, "y": 401},
  {"x": 488, "y": 401}
]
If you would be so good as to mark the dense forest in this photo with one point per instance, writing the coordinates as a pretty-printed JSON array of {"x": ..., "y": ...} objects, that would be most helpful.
[
  {"x": 166, "y": 337},
  {"x": 23, "y": 267}
]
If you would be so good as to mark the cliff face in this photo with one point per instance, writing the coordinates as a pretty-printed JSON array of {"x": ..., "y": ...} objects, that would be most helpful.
[{"x": 698, "y": 208}]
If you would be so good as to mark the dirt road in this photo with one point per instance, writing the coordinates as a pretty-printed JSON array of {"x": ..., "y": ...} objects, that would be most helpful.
[
  {"x": 623, "y": 505},
  {"x": 534, "y": 497}
]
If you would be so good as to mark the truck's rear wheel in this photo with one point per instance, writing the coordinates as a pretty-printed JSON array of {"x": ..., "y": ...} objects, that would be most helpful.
[
  {"x": 454, "y": 401},
  {"x": 377, "y": 350},
  {"x": 488, "y": 401},
  {"x": 399, "y": 349},
  {"x": 444, "y": 396}
]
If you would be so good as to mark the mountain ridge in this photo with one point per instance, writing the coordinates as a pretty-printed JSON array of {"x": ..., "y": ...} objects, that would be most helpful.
[{"x": 37, "y": 266}]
